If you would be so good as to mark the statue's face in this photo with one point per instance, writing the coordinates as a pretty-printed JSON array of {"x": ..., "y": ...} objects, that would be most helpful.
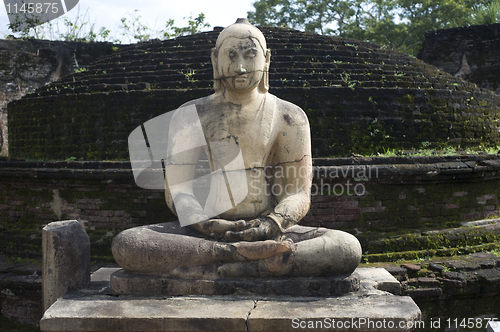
[{"x": 240, "y": 63}]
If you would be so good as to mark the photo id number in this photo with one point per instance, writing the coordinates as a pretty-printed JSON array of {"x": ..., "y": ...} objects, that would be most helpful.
[{"x": 31, "y": 8}]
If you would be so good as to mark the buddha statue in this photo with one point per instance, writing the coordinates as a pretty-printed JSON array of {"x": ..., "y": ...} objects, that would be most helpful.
[{"x": 258, "y": 149}]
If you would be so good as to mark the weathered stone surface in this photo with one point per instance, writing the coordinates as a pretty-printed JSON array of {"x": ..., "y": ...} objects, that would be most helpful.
[
  {"x": 489, "y": 276},
  {"x": 80, "y": 312},
  {"x": 104, "y": 313},
  {"x": 436, "y": 267},
  {"x": 66, "y": 259},
  {"x": 452, "y": 283},
  {"x": 462, "y": 265},
  {"x": 427, "y": 282},
  {"x": 379, "y": 279},
  {"x": 21, "y": 297},
  {"x": 126, "y": 283},
  {"x": 92, "y": 310},
  {"x": 487, "y": 263},
  {"x": 455, "y": 275},
  {"x": 424, "y": 292},
  {"x": 411, "y": 268},
  {"x": 343, "y": 313},
  {"x": 401, "y": 274},
  {"x": 103, "y": 274},
  {"x": 181, "y": 252}
]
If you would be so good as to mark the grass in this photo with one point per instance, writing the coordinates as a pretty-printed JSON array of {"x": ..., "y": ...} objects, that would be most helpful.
[{"x": 449, "y": 151}]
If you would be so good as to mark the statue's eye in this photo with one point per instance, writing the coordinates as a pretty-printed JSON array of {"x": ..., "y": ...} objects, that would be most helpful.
[
  {"x": 252, "y": 53},
  {"x": 232, "y": 55}
]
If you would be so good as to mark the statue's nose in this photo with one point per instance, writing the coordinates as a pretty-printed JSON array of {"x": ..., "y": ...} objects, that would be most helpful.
[{"x": 240, "y": 69}]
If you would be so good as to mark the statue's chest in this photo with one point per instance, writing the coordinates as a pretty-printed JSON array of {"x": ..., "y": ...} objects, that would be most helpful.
[
  {"x": 230, "y": 129},
  {"x": 220, "y": 125}
]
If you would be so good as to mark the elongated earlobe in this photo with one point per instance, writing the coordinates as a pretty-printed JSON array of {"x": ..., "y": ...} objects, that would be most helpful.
[
  {"x": 217, "y": 83},
  {"x": 264, "y": 82}
]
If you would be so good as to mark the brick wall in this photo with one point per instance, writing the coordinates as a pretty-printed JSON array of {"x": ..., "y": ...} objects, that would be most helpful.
[
  {"x": 412, "y": 193},
  {"x": 30, "y": 64},
  {"x": 471, "y": 53},
  {"x": 358, "y": 195}
]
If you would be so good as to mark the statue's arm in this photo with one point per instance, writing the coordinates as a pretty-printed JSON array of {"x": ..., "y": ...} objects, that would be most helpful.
[
  {"x": 293, "y": 170},
  {"x": 180, "y": 196},
  {"x": 185, "y": 142}
]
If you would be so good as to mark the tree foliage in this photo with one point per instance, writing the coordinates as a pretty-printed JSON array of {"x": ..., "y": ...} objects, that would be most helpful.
[
  {"x": 78, "y": 28},
  {"x": 195, "y": 25},
  {"x": 396, "y": 23},
  {"x": 485, "y": 14},
  {"x": 131, "y": 29}
]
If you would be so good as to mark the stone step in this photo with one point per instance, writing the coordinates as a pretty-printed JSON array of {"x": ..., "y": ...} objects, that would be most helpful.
[
  {"x": 180, "y": 81},
  {"x": 231, "y": 313},
  {"x": 203, "y": 75},
  {"x": 448, "y": 90},
  {"x": 163, "y": 73},
  {"x": 439, "y": 240},
  {"x": 438, "y": 284}
]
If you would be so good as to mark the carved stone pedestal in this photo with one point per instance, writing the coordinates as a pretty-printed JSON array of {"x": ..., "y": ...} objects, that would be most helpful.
[
  {"x": 371, "y": 308},
  {"x": 124, "y": 283}
]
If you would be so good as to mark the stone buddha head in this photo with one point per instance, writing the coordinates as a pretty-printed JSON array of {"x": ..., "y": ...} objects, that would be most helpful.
[{"x": 241, "y": 59}]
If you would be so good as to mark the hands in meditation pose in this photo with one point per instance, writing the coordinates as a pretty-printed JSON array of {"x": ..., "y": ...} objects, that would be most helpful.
[{"x": 254, "y": 232}]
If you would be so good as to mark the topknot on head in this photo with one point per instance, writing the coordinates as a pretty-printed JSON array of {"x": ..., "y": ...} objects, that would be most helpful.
[
  {"x": 242, "y": 20},
  {"x": 241, "y": 29}
]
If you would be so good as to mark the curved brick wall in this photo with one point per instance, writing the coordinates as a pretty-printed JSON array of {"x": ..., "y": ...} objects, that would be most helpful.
[{"x": 359, "y": 97}]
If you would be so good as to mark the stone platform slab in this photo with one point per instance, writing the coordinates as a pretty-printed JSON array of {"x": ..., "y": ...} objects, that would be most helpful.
[
  {"x": 125, "y": 283},
  {"x": 369, "y": 309}
]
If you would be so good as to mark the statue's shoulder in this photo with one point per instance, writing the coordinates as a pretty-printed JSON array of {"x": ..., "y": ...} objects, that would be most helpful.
[
  {"x": 198, "y": 102},
  {"x": 203, "y": 104},
  {"x": 290, "y": 113}
]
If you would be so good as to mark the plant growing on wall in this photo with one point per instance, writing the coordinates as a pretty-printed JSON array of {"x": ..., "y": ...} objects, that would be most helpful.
[{"x": 133, "y": 28}]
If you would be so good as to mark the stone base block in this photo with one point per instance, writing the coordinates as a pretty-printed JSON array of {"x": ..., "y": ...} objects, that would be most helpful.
[
  {"x": 126, "y": 283},
  {"x": 369, "y": 309}
]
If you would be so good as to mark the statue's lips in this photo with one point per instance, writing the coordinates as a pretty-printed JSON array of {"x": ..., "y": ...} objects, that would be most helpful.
[{"x": 241, "y": 78}]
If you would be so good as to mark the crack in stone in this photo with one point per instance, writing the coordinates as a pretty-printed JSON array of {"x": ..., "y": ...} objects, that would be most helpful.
[
  {"x": 248, "y": 72},
  {"x": 250, "y": 312},
  {"x": 279, "y": 164}
]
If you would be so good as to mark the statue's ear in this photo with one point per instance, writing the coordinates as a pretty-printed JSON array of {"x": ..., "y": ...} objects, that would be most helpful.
[
  {"x": 264, "y": 82},
  {"x": 268, "y": 59},
  {"x": 217, "y": 83}
]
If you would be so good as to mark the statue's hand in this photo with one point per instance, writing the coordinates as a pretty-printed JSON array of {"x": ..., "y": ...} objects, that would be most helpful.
[
  {"x": 216, "y": 228},
  {"x": 255, "y": 230}
]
